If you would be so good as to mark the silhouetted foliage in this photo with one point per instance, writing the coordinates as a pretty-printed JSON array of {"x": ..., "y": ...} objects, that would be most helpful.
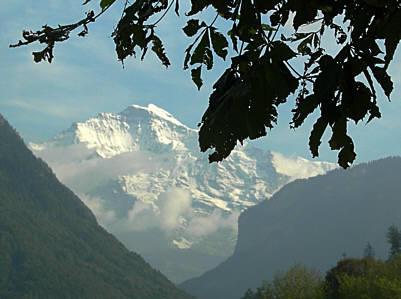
[{"x": 261, "y": 77}]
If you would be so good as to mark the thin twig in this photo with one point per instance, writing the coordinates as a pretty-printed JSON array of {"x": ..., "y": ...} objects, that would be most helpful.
[
  {"x": 164, "y": 14},
  {"x": 297, "y": 73},
  {"x": 61, "y": 32}
]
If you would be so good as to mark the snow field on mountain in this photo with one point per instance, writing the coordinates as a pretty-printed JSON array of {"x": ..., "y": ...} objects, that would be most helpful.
[{"x": 141, "y": 170}]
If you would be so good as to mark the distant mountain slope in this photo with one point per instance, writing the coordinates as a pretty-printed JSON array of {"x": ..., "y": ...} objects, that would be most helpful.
[
  {"x": 50, "y": 243},
  {"x": 312, "y": 221},
  {"x": 142, "y": 174}
]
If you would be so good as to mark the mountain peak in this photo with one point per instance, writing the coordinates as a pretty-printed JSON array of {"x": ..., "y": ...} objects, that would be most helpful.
[
  {"x": 153, "y": 110},
  {"x": 136, "y": 128}
]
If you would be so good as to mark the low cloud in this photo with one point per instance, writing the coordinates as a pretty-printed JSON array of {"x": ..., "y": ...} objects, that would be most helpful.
[
  {"x": 96, "y": 205},
  {"x": 168, "y": 213},
  {"x": 173, "y": 205},
  {"x": 83, "y": 171},
  {"x": 172, "y": 211},
  {"x": 204, "y": 225},
  {"x": 300, "y": 168}
]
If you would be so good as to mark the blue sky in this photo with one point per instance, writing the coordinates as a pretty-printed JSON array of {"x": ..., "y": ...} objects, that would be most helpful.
[{"x": 85, "y": 78}]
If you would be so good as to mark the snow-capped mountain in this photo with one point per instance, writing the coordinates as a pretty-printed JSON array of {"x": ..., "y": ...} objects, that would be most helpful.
[
  {"x": 134, "y": 129},
  {"x": 141, "y": 170}
]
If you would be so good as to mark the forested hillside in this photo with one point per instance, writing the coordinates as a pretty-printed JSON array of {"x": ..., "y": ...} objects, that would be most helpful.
[{"x": 50, "y": 243}]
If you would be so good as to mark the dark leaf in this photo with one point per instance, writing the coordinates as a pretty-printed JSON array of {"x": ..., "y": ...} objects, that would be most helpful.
[
  {"x": 202, "y": 53},
  {"x": 105, "y": 3},
  {"x": 316, "y": 135},
  {"x": 328, "y": 79},
  {"x": 280, "y": 51},
  {"x": 192, "y": 27},
  {"x": 304, "y": 15},
  {"x": 384, "y": 80},
  {"x": 339, "y": 137},
  {"x": 219, "y": 43},
  {"x": 84, "y": 32},
  {"x": 196, "y": 76},
  {"x": 305, "y": 106},
  {"x": 347, "y": 154},
  {"x": 187, "y": 56},
  {"x": 361, "y": 98},
  {"x": 45, "y": 54},
  {"x": 159, "y": 50},
  {"x": 198, "y": 6},
  {"x": 305, "y": 46},
  {"x": 248, "y": 23}
]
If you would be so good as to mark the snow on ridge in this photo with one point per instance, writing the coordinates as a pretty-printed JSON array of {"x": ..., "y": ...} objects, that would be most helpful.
[
  {"x": 163, "y": 114},
  {"x": 135, "y": 128},
  {"x": 36, "y": 147},
  {"x": 298, "y": 167},
  {"x": 159, "y": 112},
  {"x": 182, "y": 243}
]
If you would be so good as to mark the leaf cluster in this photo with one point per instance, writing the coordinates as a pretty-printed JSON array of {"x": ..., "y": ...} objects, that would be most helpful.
[{"x": 262, "y": 74}]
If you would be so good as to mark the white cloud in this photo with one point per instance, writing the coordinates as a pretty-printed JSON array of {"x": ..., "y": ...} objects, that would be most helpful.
[
  {"x": 204, "y": 225},
  {"x": 299, "y": 168},
  {"x": 173, "y": 204},
  {"x": 81, "y": 169},
  {"x": 96, "y": 205}
]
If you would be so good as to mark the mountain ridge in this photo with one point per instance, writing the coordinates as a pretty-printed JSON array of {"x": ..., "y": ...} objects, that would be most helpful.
[
  {"x": 142, "y": 169},
  {"x": 310, "y": 221},
  {"x": 51, "y": 244}
]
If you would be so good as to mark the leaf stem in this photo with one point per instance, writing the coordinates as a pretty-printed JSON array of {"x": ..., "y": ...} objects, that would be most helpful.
[{"x": 164, "y": 14}]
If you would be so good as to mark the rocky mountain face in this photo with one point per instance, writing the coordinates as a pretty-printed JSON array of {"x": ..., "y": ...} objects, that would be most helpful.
[
  {"x": 143, "y": 176},
  {"x": 311, "y": 221},
  {"x": 51, "y": 245}
]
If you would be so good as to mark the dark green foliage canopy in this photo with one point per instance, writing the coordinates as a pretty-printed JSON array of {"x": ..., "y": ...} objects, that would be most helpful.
[
  {"x": 50, "y": 243},
  {"x": 365, "y": 278},
  {"x": 262, "y": 74},
  {"x": 394, "y": 238}
]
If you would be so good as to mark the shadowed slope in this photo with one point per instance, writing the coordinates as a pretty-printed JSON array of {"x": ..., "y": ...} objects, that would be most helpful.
[
  {"x": 50, "y": 243},
  {"x": 313, "y": 222}
]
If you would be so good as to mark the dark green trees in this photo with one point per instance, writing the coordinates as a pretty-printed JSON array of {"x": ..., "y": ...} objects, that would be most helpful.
[
  {"x": 369, "y": 251},
  {"x": 394, "y": 239},
  {"x": 298, "y": 282},
  {"x": 365, "y": 278},
  {"x": 351, "y": 278}
]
